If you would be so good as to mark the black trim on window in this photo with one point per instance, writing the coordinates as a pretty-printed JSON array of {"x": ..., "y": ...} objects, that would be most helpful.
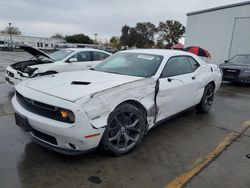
[
  {"x": 91, "y": 56},
  {"x": 161, "y": 76},
  {"x": 196, "y": 62},
  {"x": 80, "y": 52}
]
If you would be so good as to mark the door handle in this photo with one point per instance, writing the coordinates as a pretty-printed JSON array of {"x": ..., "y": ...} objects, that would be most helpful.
[
  {"x": 173, "y": 79},
  {"x": 193, "y": 78}
]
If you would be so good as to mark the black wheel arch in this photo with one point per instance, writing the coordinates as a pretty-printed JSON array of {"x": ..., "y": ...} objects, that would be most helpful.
[
  {"x": 48, "y": 72},
  {"x": 139, "y": 106},
  {"x": 212, "y": 83}
]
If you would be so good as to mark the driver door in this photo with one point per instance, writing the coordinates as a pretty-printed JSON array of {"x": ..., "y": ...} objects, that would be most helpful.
[{"x": 177, "y": 86}]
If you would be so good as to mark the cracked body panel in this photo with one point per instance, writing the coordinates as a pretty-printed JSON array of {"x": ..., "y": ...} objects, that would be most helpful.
[{"x": 102, "y": 103}]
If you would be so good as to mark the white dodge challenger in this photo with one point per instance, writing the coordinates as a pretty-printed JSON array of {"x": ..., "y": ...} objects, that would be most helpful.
[
  {"x": 116, "y": 103},
  {"x": 41, "y": 64}
]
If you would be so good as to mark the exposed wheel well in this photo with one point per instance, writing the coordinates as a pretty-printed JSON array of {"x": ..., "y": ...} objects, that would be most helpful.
[
  {"x": 138, "y": 105},
  {"x": 48, "y": 73},
  {"x": 213, "y": 84}
]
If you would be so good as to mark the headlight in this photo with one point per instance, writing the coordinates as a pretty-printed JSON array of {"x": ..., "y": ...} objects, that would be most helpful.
[{"x": 66, "y": 115}]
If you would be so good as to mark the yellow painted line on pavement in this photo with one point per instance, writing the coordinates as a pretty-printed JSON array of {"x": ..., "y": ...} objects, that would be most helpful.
[{"x": 183, "y": 179}]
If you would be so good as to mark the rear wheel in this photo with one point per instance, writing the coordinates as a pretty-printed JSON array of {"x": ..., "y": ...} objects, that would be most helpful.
[
  {"x": 125, "y": 129},
  {"x": 207, "y": 99}
]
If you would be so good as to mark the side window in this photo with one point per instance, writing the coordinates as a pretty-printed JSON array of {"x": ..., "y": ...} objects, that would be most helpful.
[
  {"x": 176, "y": 66},
  {"x": 194, "y": 64},
  {"x": 98, "y": 56},
  {"x": 82, "y": 56}
]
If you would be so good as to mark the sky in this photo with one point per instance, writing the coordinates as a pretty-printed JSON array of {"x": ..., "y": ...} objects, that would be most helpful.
[{"x": 105, "y": 17}]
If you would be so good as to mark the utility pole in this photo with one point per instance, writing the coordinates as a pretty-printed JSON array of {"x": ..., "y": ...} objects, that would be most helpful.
[
  {"x": 95, "y": 37},
  {"x": 11, "y": 45}
]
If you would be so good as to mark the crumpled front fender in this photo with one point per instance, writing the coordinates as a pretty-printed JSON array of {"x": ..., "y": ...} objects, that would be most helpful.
[{"x": 101, "y": 104}]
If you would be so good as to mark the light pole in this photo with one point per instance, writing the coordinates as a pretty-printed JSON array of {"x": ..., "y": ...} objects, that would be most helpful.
[
  {"x": 11, "y": 47},
  {"x": 95, "y": 37}
]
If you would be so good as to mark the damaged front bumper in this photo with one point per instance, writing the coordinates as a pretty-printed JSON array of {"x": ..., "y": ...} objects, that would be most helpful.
[
  {"x": 71, "y": 139},
  {"x": 13, "y": 77}
]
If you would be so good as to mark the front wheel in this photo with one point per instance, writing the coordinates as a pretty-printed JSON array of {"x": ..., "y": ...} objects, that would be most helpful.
[
  {"x": 125, "y": 129},
  {"x": 207, "y": 99}
]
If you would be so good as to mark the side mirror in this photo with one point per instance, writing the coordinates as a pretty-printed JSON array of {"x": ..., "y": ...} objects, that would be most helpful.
[
  {"x": 71, "y": 60},
  {"x": 226, "y": 61}
]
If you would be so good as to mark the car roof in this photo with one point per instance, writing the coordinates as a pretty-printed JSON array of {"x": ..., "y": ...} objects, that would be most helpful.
[
  {"x": 166, "y": 53},
  {"x": 163, "y": 52},
  {"x": 84, "y": 49}
]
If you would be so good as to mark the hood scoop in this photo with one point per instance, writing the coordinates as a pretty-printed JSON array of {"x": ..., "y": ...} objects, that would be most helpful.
[{"x": 80, "y": 83}]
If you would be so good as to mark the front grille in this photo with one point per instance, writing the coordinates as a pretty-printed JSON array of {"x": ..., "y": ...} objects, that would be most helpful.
[
  {"x": 45, "y": 137},
  {"x": 39, "y": 108},
  {"x": 231, "y": 73}
]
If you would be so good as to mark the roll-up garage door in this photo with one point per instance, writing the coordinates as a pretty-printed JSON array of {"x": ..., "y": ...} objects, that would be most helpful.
[{"x": 241, "y": 37}]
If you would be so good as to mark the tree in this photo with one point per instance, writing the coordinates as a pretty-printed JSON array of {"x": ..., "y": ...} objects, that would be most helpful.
[
  {"x": 141, "y": 36},
  {"x": 159, "y": 44},
  {"x": 79, "y": 38},
  {"x": 124, "y": 39},
  {"x": 12, "y": 30},
  {"x": 145, "y": 34},
  {"x": 115, "y": 42},
  {"x": 57, "y": 35},
  {"x": 170, "y": 32},
  {"x": 133, "y": 37}
]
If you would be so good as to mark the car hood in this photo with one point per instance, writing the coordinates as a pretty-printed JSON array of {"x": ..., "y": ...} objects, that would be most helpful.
[
  {"x": 35, "y": 52},
  {"x": 234, "y": 66},
  {"x": 75, "y": 85}
]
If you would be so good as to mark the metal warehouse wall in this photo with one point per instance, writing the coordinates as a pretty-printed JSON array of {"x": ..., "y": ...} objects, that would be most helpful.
[{"x": 223, "y": 32}]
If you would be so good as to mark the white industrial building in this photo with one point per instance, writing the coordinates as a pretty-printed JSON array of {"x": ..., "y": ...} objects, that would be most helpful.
[
  {"x": 41, "y": 42},
  {"x": 224, "y": 31},
  {"x": 37, "y": 42}
]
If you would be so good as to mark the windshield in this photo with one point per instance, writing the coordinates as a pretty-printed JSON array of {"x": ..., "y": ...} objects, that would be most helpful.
[
  {"x": 61, "y": 54},
  {"x": 133, "y": 64},
  {"x": 240, "y": 59}
]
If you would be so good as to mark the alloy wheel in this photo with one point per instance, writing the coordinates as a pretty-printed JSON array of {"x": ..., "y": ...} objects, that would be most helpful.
[{"x": 124, "y": 131}]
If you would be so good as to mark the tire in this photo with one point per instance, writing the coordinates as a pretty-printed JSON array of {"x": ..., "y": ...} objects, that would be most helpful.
[
  {"x": 125, "y": 130},
  {"x": 207, "y": 99}
]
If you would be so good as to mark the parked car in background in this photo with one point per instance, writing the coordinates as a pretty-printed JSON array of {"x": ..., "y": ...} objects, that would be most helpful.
[
  {"x": 41, "y": 64},
  {"x": 237, "y": 69},
  {"x": 115, "y": 103}
]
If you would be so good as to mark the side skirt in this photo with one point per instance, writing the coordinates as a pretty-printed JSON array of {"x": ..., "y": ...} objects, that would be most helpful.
[{"x": 171, "y": 117}]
